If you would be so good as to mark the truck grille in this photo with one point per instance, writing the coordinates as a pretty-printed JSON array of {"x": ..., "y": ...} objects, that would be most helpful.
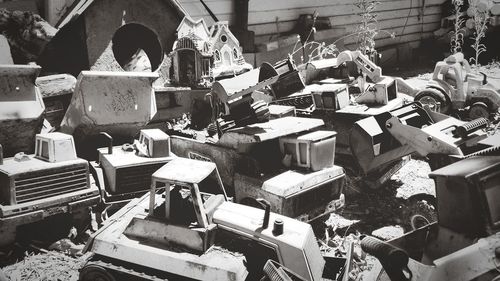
[
  {"x": 132, "y": 179},
  {"x": 304, "y": 102},
  {"x": 39, "y": 185},
  {"x": 306, "y": 201}
]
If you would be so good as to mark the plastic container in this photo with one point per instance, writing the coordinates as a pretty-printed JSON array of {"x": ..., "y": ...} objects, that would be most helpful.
[{"x": 314, "y": 150}]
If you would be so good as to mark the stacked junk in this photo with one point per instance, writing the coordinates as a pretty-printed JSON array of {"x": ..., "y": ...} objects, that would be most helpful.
[{"x": 231, "y": 197}]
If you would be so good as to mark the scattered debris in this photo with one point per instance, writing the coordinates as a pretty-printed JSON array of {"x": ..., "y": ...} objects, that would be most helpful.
[
  {"x": 388, "y": 232},
  {"x": 47, "y": 266}
]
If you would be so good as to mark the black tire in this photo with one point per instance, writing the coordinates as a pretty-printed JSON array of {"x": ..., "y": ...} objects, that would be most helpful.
[
  {"x": 92, "y": 272},
  {"x": 261, "y": 111},
  {"x": 420, "y": 211},
  {"x": 478, "y": 110},
  {"x": 431, "y": 97}
]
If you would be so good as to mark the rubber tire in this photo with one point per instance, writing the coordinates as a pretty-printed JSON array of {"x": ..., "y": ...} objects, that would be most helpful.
[
  {"x": 94, "y": 272},
  {"x": 261, "y": 111},
  {"x": 419, "y": 212},
  {"x": 437, "y": 96},
  {"x": 478, "y": 110}
]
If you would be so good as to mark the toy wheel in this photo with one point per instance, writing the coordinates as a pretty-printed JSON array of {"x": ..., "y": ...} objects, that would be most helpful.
[
  {"x": 420, "y": 212},
  {"x": 478, "y": 110},
  {"x": 261, "y": 111},
  {"x": 92, "y": 272},
  {"x": 432, "y": 97}
]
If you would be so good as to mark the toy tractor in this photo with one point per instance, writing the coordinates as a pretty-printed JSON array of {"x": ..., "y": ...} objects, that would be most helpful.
[
  {"x": 454, "y": 87},
  {"x": 52, "y": 181},
  {"x": 464, "y": 244},
  {"x": 185, "y": 229}
]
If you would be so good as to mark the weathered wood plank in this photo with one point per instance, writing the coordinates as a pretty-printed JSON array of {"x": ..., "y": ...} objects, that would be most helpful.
[
  {"x": 262, "y": 11},
  {"x": 430, "y": 23},
  {"x": 263, "y": 5},
  {"x": 340, "y": 21}
]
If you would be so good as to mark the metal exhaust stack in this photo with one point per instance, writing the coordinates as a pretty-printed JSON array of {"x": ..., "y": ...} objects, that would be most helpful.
[
  {"x": 110, "y": 141},
  {"x": 267, "y": 206}
]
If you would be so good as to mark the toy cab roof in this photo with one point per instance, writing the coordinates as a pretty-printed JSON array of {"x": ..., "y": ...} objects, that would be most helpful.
[
  {"x": 184, "y": 170},
  {"x": 156, "y": 134},
  {"x": 54, "y": 136},
  {"x": 273, "y": 129},
  {"x": 469, "y": 167}
]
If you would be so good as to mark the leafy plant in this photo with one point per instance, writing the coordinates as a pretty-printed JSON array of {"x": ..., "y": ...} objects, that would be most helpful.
[
  {"x": 481, "y": 19},
  {"x": 317, "y": 50},
  {"x": 367, "y": 29},
  {"x": 457, "y": 39}
]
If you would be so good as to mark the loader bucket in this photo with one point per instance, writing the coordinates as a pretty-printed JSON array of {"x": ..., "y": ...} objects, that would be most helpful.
[
  {"x": 119, "y": 103},
  {"x": 21, "y": 108},
  {"x": 374, "y": 147}
]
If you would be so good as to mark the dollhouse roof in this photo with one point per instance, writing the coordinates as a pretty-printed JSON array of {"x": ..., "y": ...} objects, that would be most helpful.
[
  {"x": 217, "y": 28},
  {"x": 190, "y": 26}
]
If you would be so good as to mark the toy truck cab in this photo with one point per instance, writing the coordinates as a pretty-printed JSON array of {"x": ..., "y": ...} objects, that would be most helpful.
[
  {"x": 190, "y": 230},
  {"x": 124, "y": 172},
  {"x": 52, "y": 181},
  {"x": 464, "y": 243}
]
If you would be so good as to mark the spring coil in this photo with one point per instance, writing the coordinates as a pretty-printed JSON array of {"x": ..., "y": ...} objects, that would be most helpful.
[{"x": 469, "y": 127}]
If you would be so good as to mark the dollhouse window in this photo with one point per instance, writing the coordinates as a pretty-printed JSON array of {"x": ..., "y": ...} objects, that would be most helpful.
[
  {"x": 235, "y": 53},
  {"x": 217, "y": 55},
  {"x": 223, "y": 38}
]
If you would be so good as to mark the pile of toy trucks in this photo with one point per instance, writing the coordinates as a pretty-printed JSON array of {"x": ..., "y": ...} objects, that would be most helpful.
[{"x": 220, "y": 206}]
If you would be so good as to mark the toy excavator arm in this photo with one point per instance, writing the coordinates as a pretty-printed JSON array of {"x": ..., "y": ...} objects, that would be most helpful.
[{"x": 369, "y": 68}]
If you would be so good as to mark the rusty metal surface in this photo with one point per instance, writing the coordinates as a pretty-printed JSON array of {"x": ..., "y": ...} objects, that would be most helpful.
[
  {"x": 21, "y": 108},
  {"x": 273, "y": 129}
]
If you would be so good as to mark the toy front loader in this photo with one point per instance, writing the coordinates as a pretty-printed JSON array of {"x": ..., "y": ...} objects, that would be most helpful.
[{"x": 379, "y": 140}]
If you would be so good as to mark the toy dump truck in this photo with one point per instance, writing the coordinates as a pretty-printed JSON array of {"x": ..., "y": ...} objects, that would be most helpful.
[
  {"x": 250, "y": 158},
  {"x": 233, "y": 99},
  {"x": 119, "y": 103},
  {"x": 340, "y": 106},
  {"x": 124, "y": 172},
  {"x": 52, "y": 181},
  {"x": 454, "y": 86},
  {"x": 21, "y": 108},
  {"x": 186, "y": 229},
  {"x": 465, "y": 241}
]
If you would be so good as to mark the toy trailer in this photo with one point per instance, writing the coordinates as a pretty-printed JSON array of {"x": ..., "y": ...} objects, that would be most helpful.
[{"x": 50, "y": 182}]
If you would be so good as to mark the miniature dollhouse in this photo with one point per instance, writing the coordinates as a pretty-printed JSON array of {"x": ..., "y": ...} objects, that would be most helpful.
[{"x": 201, "y": 56}]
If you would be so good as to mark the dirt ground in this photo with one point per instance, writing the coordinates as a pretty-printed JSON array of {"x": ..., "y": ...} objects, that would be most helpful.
[{"x": 384, "y": 212}]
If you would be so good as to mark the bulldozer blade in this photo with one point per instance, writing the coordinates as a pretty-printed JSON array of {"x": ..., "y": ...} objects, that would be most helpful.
[
  {"x": 119, "y": 103},
  {"x": 21, "y": 114}
]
